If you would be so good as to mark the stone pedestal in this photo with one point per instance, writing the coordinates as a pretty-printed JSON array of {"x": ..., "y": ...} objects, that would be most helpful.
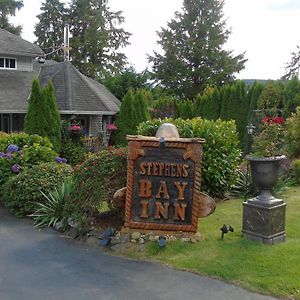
[{"x": 264, "y": 223}]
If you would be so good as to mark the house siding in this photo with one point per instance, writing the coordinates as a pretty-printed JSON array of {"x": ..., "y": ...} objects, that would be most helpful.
[
  {"x": 95, "y": 124},
  {"x": 24, "y": 63}
]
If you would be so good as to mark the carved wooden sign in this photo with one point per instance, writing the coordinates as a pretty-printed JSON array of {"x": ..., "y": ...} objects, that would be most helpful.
[{"x": 163, "y": 184}]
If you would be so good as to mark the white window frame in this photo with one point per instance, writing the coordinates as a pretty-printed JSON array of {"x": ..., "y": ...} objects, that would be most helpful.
[{"x": 5, "y": 68}]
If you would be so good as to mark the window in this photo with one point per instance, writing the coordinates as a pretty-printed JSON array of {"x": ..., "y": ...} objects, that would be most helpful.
[{"x": 7, "y": 63}]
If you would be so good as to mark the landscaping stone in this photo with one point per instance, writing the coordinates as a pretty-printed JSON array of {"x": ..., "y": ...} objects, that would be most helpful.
[
  {"x": 72, "y": 232},
  {"x": 198, "y": 236},
  {"x": 59, "y": 226},
  {"x": 96, "y": 233},
  {"x": 135, "y": 235},
  {"x": 185, "y": 240}
]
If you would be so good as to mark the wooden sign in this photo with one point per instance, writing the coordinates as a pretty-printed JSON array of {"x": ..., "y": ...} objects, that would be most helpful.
[{"x": 163, "y": 184}]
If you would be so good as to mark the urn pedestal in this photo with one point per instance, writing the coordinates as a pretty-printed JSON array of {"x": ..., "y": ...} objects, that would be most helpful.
[{"x": 264, "y": 215}]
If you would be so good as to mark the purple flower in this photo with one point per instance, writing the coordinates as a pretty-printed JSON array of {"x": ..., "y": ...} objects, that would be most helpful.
[
  {"x": 16, "y": 168},
  {"x": 2, "y": 154},
  {"x": 12, "y": 148},
  {"x": 8, "y": 155},
  {"x": 58, "y": 159}
]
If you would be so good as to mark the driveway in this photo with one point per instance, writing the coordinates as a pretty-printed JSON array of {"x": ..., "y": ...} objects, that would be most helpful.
[{"x": 39, "y": 264}]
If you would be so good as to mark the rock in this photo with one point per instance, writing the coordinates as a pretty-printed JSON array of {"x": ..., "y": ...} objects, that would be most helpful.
[
  {"x": 207, "y": 205},
  {"x": 96, "y": 233},
  {"x": 185, "y": 240},
  {"x": 173, "y": 238},
  {"x": 133, "y": 241},
  {"x": 135, "y": 235},
  {"x": 73, "y": 223},
  {"x": 119, "y": 198},
  {"x": 120, "y": 239},
  {"x": 72, "y": 232},
  {"x": 198, "y": 236},
  {"x": 193, "y": 240},
  {"x": 167, "y": 130},
  {"x": 141, "y": 241},
  {"x": 59, "y": 226},
  {"x": 92, "y": 241},
  {"x": 108, "y": 233},
  {"x": 152, "y": 238}
]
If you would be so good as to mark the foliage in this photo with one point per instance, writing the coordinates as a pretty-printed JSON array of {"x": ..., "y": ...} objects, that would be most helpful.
[
  {"x": 42, "y": 116},
  {"x": 52, "y": 210},
  {"x": 193, "y": 50},
  {"x": 292, "y": 96},
  {"x": 31, "y": 150},
  {"x": 296, "y": 167},
  {"x": 272, "y": 96},
  {"x": 98, "y": 178},
  {"x": 22, "y": 192},
  {"x": 220, "y": 150},
  {"x": 292, "y": 134},
  {"x": 292, "y": 68},
  {"x": 133, "y": 111},
  {"x": 270, "y": 141},
  {"x": 262, "y": 268},
  {"x": 74, "y": 152},
  {"x": 50, "y": 28},
  {"x": 119, "y": 84},
  {"x": 96, "y": 37},
  {"x": 52, "y": 116},
  {"x": 8, "y": 8}
]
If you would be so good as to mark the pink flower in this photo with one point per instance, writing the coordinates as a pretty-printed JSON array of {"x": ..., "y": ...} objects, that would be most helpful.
[
  {"x": 75, "y": 128},
  {"x": 111, "y": 127}
]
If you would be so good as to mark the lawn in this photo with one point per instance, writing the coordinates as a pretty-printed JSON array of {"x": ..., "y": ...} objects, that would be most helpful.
[{"x": 269, "y": 269}]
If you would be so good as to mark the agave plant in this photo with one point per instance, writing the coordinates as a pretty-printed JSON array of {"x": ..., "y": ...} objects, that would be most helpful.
[{"x": 52, "y": 210}]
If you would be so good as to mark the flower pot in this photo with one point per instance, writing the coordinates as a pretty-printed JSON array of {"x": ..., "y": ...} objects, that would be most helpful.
[{"x": 265, "y": 171}]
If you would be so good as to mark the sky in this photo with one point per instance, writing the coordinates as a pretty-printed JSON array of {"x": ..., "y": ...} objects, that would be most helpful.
[{"x": 266, "y": 30}]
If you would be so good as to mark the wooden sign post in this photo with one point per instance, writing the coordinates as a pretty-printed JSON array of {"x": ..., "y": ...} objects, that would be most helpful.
[{"x": 163, "y": 184}]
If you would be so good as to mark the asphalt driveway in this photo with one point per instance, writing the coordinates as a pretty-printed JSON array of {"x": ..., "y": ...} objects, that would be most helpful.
[{"x": 40, "y": 264}]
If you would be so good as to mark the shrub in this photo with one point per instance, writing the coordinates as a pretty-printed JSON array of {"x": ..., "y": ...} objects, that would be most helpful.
[
  {"x": 74, "y": 152},
  {"x": 98, "y": 178},
  {"x": 292, "y": 136},
  {"x": 220, "y": 151},
  {"x": 52, "y": 210},
  {"x": 32, "y": 150},
  {"x": 296, "y": 166},
  {"x": 22, "y": 192}
]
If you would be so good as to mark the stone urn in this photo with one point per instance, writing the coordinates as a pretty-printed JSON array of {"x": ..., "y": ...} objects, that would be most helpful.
[
  {"x": 265, "y": 172},
  {"x": 264, "y": 215}
]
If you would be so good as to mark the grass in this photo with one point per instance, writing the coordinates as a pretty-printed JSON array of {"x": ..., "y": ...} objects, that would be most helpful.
[{"x": 268, "y": 269}]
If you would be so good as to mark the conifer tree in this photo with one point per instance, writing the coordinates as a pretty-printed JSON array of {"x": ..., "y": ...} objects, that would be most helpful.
[
  {"x": 96, "y": 37},
  {"x": 193, "y": 54},
  {"x": 50, "y": 29},
  {"x": 35, "y": 119},
  {"x": 52, "y": 116},
  {"x": 125, "y": 121},
  {"x": 140, "y": 107},
  {"x": 8, "y": 8}
]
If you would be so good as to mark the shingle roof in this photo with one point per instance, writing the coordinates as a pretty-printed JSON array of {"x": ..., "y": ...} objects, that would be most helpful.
[
  {"x": 14, "y": 44},
  {"x": 75, "y": 93}
]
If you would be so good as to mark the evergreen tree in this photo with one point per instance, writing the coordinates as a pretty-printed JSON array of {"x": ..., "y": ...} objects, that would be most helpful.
[
  {"x": 35, "y": 119},
  {"x": 193, "y": 54},
  {"x": 50, "y": 29},
  {"x": 126, "y": 118},
  {"x": 52, "y": 116},
  {"x": 96, "y": 37},
  {"x": 8, "y": 8},
  {"x": 141, "y": 107},
  {"x": 120, "y": 83},
  {"x": 292, "y": 68},
  {"x": 292, "y": 96}
]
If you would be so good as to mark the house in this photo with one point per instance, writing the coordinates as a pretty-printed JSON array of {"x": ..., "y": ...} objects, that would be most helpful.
[{"x": 77, "y": 96}]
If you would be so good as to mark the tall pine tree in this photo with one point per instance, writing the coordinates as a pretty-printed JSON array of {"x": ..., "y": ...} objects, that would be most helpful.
[
  {"x": 50, "y": 28},
  {"x": 192, "y": 50},
  {"x": 8, "y": 8},
  {"x": 96, "y": 37}
]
